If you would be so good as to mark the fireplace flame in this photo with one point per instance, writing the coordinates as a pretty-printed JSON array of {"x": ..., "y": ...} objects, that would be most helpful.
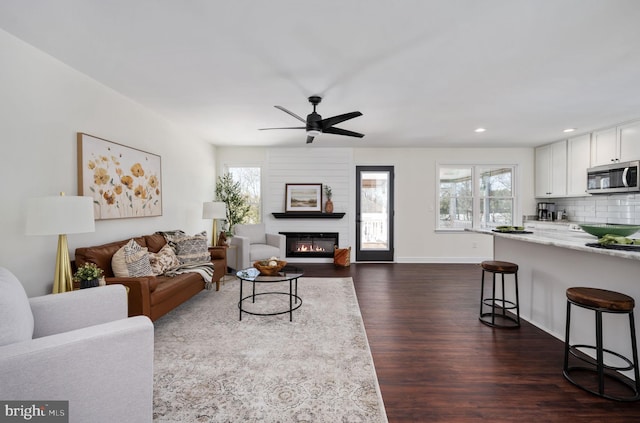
[{"x": 309, "y": 248}]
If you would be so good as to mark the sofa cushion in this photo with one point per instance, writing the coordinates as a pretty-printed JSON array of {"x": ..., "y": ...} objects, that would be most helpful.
[
  {"x": 256, "y": 233},
  {"x": 101, "y": 254},
  {"x": 191, "y": 249},
  {"x": 155, "y": 242},
  {"x": 16, "y": 318},
  {"x": 131, "y": 260},
  {"x": 163, "y": 260},
  {"x": 171, "y": 288}
]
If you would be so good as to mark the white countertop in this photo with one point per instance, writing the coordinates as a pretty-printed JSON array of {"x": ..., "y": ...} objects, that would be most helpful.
[{"x": 563, "y": 238}]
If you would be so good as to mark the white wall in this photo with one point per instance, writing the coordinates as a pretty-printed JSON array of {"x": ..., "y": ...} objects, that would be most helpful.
[
  {"x": 44, "y": 104},
  {"x": 416, "y": 240}
]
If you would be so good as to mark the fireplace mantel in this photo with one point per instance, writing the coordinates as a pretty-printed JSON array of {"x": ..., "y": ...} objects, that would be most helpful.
[{"x": 308, "y": 215}]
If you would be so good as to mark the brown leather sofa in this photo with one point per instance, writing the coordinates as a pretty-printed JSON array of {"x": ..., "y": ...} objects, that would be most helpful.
[{"x": 152, "y": 296}]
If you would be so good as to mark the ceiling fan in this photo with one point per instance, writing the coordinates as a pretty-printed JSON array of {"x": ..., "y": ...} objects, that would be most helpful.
[{"x": 315, "y": 125}]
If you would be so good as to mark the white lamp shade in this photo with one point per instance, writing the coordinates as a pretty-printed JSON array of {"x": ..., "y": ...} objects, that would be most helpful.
[
  {"x": 58, "y": 215},
  {"x": 214, "y": 210}
]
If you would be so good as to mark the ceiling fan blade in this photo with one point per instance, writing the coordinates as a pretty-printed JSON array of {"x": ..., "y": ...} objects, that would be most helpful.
[
  {"x": 290, "y": 113},
  {"x": 287, "y": 127},
  {"x": 339, "y": 131},
  {"x": 334, "y": 120},
  {"x": 309, "y": 139}
]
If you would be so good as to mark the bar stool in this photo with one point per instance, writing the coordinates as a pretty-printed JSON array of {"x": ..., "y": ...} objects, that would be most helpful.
[
  {"x": 502, "y": 304},
  {"x": 601, "y": 301}
]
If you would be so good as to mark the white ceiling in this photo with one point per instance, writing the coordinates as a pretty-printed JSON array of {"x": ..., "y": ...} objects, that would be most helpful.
[{"x": 422, "y": 72}]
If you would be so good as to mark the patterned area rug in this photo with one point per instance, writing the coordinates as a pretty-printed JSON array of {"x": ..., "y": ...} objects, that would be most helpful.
[{"x": 211, "y": 367}]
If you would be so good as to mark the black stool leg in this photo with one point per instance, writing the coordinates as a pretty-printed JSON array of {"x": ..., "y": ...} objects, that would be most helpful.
[
  {"x": 599, "y": 352},
  {"x": 517, "y": 299},
  {"x": 634, "y": 350},
  {"x": 566, "y": 339},
  {"x": 493, "y": 300},
  {"x": 482, "y": 295},
  {"x": 504, "y": 305}
]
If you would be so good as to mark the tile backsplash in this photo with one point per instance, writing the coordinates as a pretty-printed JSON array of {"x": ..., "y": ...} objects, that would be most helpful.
[{"x": 614, "y": 208}]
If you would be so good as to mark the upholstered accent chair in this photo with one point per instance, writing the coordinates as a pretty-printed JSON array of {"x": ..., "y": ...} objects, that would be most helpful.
[
  {"x": 77, "y": 346},
  {"x": 253, "y": 243}
]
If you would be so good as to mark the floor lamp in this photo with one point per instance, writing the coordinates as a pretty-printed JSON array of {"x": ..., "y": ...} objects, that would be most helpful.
[
  {"x": 60, "y": 216},
  {"x": 214, "y": 210}
]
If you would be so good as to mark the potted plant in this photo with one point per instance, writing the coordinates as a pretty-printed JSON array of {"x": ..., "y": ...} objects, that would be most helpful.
[
  {"x": 230, "y": 192},
  {"x": 328, "y": 206},
  {"x": 88, "y": 275}
]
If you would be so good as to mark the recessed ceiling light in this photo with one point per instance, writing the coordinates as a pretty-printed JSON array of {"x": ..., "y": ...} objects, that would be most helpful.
[
  {"x": 569, "y": 130},
  {"x": 479, "y": 130}
]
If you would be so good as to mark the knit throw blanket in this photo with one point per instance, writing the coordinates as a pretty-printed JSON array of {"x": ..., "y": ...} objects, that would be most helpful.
[{"x": 205, "y": 269}]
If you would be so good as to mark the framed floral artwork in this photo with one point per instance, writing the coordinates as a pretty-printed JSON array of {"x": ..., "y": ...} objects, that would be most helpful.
[
  {"x": 123, "y": 181},
  {"x": 303, "y": 198}
]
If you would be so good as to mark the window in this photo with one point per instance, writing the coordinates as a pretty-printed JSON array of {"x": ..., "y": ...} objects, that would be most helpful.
[
  {"x": 475, "y": 196},
  {"x": 249, "y": 178},
  {"x": 456, "y": 198}
]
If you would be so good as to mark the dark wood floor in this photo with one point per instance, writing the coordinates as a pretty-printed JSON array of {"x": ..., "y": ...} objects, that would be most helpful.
[{"x": 437, "y": 363}]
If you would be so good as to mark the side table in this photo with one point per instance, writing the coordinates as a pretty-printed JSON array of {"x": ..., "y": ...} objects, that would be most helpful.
[
  {"x": 218, "y": 249},
  {"x": 235, "y": 269}
]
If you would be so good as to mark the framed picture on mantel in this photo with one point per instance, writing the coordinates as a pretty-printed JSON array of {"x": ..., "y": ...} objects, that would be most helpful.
[{"x": 303, "y": 198}]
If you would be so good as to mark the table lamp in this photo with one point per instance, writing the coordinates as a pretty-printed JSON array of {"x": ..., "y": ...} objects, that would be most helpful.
[
  {"x": 60, "y": 215},
  {"x": 214, "y": 210}
]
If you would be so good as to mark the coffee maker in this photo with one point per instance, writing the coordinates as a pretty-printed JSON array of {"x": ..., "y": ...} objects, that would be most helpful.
[{"x": 546, "y": 210}]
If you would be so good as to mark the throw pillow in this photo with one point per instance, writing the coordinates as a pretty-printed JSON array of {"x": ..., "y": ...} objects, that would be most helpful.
[
  {"x": 172, "y": 235},
  {"x": 191, "y": 249},
  {"x": 16, "y": 317},
  {"x": 163, "y": 260},
  {"x": 131, "y": 261}
]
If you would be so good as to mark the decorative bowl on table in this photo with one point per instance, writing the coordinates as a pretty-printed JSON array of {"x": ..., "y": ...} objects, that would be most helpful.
[
  {"x": 269, "y": 267},
  {"x": 602, "y": 229}
]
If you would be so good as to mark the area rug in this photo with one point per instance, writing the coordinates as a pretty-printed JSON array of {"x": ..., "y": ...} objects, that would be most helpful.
[{"x": 211, "y": 367}]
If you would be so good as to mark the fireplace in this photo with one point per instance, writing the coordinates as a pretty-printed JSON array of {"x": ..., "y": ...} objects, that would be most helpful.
[{"x": 311, "y": 244}]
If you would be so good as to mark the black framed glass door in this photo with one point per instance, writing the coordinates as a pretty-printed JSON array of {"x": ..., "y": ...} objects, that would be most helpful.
[{"x": 374, "y": 213}]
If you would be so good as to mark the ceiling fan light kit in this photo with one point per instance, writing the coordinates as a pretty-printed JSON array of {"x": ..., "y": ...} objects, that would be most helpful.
[{"x": 315, "y": 125}]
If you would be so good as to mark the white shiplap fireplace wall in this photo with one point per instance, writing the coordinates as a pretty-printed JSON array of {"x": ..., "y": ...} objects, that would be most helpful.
[{"x": 333, "y": 167}]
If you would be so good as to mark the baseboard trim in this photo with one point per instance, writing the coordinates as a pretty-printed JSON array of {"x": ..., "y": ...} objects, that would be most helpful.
[{"x": 458, "y": 260}]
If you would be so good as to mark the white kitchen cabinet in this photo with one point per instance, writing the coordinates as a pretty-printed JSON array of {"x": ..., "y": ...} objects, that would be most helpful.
[
  {"x": 629, "y": 138},
  {"x": 551, "y": 170},
  {"x": 613, "y": 145},
  {"x": 543, "y": 164},
  {"x": 604, "y": 147},
  {"x": 578, "y": 161}
]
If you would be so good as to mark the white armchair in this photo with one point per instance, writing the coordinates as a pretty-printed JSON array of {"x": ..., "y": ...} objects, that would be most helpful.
[
  {"x": 79, "y": 347},
  {"x": 253, "y": 243}
]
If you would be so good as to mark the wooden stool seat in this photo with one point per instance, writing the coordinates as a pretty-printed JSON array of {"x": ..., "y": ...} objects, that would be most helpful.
[
  {"x": 499, "y": 266},
  {"x": 601, "y": 298}
]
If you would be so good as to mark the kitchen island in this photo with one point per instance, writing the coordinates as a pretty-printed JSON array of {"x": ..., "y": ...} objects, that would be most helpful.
[{"x": 550, "y": 261}]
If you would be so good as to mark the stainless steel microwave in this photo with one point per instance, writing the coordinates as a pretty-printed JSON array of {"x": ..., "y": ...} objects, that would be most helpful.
[{"x": 617, "y": 177}]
